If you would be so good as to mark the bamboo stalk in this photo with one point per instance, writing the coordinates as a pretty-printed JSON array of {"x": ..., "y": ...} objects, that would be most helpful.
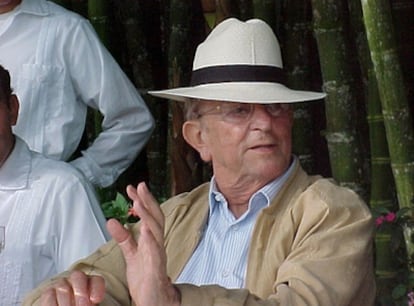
[
  {"x": 296, "y": 59},
  {"x": 185, "y": 164},
  {"x": 80, "y": 7},
  {"x": 140, "y": 32},
  {"x": 245, "y": 8},
  {"x": 395, "y": 107},
  {"x": 98, "y": 16},
  {"x": 64, "y": 3},
  {"x": 341, "y": 134},
  {"x": 265, "y": 10},
  {"x": 382, "y": 183}
]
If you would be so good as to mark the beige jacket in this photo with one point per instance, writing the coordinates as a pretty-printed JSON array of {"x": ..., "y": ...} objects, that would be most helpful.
[{"x": 311, "y": 246}]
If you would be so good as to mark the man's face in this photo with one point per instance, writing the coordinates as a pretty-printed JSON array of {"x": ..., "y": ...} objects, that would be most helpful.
[
  {"x": 256, "y": 149},
  {"x": 8, "y": 118}
]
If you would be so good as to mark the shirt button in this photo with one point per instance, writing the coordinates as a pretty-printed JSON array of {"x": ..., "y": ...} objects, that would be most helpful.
[
  {"x": 236, "y": 228},
  {"x": 225, "y": 274}
]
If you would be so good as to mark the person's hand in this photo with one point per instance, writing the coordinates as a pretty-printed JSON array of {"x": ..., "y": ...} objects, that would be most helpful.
[
  {"x": 146, "y": 260},
  {"x": 78, "y": 289}
]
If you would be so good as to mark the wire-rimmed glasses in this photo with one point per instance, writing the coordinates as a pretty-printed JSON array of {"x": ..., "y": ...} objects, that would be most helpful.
[{"x": 237, "y": 113}]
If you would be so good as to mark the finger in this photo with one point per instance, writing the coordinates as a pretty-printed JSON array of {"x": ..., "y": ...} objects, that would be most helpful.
[
  {"x": 80, "y": 288},
  {"x": 97, "y": 289},
  {"x": 133, "y": 195},
  {"x": 149, "y": 223},
  {"x": 64, "y": 293},
  {"x": 132, "y": 192},
  {"x": 150, "y": 203},
  {"x": 151, "y": 213},
  {"x": 117, "y": 230},
  {"x": 123, "y": 237},
  {"x": 147, "y": 208},
  {"x": 141, "y": 195},
  {"x": 147, "y": 238},
  {"x": 48, "y": 298}
]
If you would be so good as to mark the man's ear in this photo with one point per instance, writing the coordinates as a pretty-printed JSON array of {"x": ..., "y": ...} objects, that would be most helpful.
[
  {"x": 14, "y": 109},
  {"x": 192, "y": 134}
]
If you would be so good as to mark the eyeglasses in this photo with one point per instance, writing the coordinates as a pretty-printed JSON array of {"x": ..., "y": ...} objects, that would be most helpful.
[{"x": 237, "y": 113}]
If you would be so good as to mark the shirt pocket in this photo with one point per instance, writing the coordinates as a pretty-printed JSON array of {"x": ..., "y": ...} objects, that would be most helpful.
[{"x": 40, "y": 89}]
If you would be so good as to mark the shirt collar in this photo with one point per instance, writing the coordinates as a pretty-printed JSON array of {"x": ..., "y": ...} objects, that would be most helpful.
[
  {"x": 261, "y": 198},
  {"x": 14, "y": 174},
  {"x": 34, "y": 7}
]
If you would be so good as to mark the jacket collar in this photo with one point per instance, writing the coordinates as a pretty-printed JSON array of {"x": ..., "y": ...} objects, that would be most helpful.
[{"x": 14, "y": 174}]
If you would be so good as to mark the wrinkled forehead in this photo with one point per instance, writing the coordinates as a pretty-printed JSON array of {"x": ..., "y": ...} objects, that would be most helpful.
[{"x": 201, "y": 103}]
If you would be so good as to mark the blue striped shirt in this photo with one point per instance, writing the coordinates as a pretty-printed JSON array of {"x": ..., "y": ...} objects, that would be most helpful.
[{"x": 221, "y": 255}]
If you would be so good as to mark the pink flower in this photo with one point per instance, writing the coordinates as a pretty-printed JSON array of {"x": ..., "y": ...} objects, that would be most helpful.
[
  {"x": 390, "y": 217},
  {"x": 131, "y": 212},
  {"x": 379, "y": 220},
  {"x": 410, "y": 296}
]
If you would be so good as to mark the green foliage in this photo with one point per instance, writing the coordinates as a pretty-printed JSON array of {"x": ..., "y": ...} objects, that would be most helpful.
[{"x": 119, "y": 208}]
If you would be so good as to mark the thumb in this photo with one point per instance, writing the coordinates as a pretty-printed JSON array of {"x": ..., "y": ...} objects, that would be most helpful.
[{"x": 123, "y": 237}]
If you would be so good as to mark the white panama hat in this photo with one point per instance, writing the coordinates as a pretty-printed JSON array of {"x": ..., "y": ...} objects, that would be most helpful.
[{"x": 239, "y": 62}]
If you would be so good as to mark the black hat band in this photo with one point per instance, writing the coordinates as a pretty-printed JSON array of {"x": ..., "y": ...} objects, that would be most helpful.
[{"x": 237, "y": 73}]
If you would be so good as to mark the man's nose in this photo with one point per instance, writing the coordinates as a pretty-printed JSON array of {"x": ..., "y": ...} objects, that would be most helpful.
[{"x": 261, "y": 115}]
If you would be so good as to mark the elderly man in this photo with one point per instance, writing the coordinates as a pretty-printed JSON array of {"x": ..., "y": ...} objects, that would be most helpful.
[
  {"x": 262, "y": 232},
  {"x": 50, "y": 212}
]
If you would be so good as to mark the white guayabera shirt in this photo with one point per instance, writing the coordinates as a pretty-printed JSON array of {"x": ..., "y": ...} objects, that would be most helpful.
[
  {"x": 58, "y": 67},
  {"x": 52, "y": 219}
]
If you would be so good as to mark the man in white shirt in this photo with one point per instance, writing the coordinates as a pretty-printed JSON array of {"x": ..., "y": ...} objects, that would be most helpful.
[
  {"x": 59, "y": 68},
  {"x": 50, "y": 211}
]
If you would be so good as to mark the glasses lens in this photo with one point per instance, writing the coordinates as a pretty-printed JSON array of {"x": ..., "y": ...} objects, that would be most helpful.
[
  {"x": 276, "y": 109},
  {"x": 236, "y": 112}
]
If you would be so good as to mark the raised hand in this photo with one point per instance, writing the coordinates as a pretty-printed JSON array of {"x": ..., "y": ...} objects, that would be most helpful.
[{"x": 145, "y": 257}]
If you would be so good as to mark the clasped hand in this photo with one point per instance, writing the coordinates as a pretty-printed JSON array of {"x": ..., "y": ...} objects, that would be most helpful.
[{"x": 145, "y": 259}]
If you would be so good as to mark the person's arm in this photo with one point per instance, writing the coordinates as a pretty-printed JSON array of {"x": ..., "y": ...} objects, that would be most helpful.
[
  {"x": 101, "y": 84},
  {"x": 79, "y": 224},
  {"x": 105, "y": 264},
  {"x": 138, "y": 260}
]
